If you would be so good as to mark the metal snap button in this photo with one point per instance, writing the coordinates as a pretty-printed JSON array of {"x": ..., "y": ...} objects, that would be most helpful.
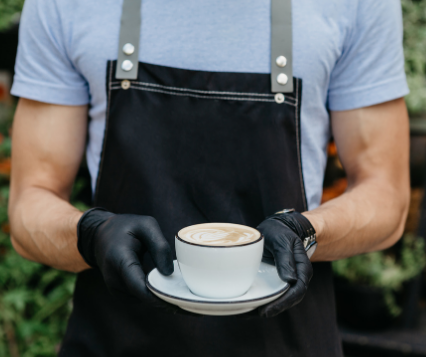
[
  {"x": 281, "y": 61},
  {"x": 125, "y": 84},
  {"x": 128, "y": 49},
  {"x": 279, "y": 98},
  {"x": 127, "y": 65},
  {"x": 282, "y": 79}
]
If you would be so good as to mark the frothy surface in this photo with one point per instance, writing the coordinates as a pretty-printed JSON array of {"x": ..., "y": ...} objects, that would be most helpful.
[{"x": 219, "y": 234}]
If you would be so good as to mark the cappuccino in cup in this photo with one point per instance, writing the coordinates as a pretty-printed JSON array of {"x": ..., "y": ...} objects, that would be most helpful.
[
  {"x": 219, "y": 260},
  {"x": 219, "y": 234}
]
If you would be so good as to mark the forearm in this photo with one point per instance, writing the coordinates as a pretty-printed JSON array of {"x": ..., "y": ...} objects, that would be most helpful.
[
  {"x": 43, "y": 229},
  {"x": 367, "y": 217}
]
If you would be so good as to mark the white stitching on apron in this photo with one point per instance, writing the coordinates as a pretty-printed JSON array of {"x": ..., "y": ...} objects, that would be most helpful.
[
  {"x": 203, "y": 96},
  {"x": 202, "y": 91}
]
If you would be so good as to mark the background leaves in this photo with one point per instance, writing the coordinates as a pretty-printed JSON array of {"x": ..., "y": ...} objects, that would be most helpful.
[
  {"x": 9, "y": 12},
  {"x": 415, "y": 53}
]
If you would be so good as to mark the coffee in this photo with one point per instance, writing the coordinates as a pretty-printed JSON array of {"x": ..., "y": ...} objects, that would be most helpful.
[
  {"x": 219, "y": 234},
  {"x": 219, "y": 260}
]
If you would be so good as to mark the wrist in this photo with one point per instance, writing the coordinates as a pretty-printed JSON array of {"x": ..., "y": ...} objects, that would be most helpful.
[
  {"x": 316, "y": 221},
  {"x": 300, "y": 225},
  {"x": 87, "y": 227},
  {"x": 74, "y": 218}
]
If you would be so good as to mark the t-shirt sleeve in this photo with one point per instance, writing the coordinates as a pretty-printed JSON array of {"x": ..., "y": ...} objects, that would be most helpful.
[
  {"x": 43, "y": 69},
  {"x": 370, "y": 69}
]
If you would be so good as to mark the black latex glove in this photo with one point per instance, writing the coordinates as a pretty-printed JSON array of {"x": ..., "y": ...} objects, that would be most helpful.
[
  {"x": 284, "y": 248},
  {"x": 115, "y": 243}
]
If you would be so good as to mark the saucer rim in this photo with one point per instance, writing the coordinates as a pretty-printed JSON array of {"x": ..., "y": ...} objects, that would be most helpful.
[{"x": 150, "y": 287}]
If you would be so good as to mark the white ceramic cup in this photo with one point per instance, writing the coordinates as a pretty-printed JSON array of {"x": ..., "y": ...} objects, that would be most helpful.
[{"x": 219, "y": 272}]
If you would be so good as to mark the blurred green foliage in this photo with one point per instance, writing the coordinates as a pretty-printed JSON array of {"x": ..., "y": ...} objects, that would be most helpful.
[
  {"x": 9, "y": 12},
  {"x": 35, "y": 300},
  {"x": 415, "y": 53},
  {"x": 384, "y": 270}
]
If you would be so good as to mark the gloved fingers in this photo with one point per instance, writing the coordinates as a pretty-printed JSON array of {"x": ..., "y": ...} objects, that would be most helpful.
[
  {"x": 279, "y": 246},
  {"x": 280, "y": 249},
  {"x": 303, "y": 264},
  {"x": 132, "y": 289},
  {"x": 292, "y": 297},
  {"x": 267, "y": 256},
  {"x": 156, "y": 244},
  {"x": 133, "y": 280},
  {"x": 118, "y": 289},
  {"x": 156, "y": 303},
  {"x": 296, "y": 292},
  {"x": 268, "y": 260},
  {"x": 286, "y": 265}
]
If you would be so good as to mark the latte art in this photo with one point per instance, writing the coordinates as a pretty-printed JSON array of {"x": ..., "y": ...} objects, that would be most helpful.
[
  {"x": 219, "y": 234},
  {"x": 218, "y": 237}
]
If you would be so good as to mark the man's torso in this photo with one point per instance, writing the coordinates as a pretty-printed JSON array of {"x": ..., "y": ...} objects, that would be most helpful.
[{"x": 222, "y": 36}]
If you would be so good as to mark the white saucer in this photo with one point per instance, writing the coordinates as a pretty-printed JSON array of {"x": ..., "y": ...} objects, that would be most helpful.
[{"x": 266, "y": 287}]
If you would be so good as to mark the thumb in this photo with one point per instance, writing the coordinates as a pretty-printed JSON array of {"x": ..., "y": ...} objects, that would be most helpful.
[
  {"x": 285, "y": 264},
  {"x": 156, "y": 244}
]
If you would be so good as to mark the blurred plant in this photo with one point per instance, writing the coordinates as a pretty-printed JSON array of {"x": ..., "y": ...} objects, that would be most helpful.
[
  {"x": 35, "y": 300},
  {"x": 384, "y": 270},
  {"x": 9, "y": 12},
  {"x": 414, "y": 12},
  {"x": 35, "y": 303}
]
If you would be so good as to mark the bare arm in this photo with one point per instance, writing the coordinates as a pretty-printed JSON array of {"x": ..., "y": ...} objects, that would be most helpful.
[
  {"x": 373, "y": 145},
  {"x": 48, "y": 144}
]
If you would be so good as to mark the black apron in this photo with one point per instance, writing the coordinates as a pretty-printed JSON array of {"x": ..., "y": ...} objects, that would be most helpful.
[{"x": 190, "y": 147}]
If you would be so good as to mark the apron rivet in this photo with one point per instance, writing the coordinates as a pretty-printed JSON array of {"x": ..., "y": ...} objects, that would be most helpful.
[
  {"x": 125, "y": 84},
  {"x": 281, "y": 61},
  {"x": 127, "y": 65},
  {"x": 128, "y": 49},
  {"x": 282, "y": 79},
  {"x": 279, "y": 98}
]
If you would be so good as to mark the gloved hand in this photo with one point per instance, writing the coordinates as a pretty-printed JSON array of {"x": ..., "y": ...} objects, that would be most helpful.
[
  {"x": 284, "y": 234},
  {"x": 115, "y": 243}
]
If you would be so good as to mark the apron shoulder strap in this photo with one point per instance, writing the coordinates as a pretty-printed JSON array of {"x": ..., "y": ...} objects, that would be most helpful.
[
  {"x": 281, "y": 44},
  {"x": 281, "y": 47},
  {"x": 128, "y": 46}
]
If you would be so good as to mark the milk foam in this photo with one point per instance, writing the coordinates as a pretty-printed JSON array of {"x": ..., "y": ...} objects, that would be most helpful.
[{"x": 219, "y": 234}]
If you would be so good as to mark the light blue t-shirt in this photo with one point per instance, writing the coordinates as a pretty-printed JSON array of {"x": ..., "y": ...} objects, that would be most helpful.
[{"x": 347, "y": 52}]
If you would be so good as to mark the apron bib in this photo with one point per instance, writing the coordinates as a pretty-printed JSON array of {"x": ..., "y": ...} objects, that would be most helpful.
[{"x": 190, "y": 147}]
